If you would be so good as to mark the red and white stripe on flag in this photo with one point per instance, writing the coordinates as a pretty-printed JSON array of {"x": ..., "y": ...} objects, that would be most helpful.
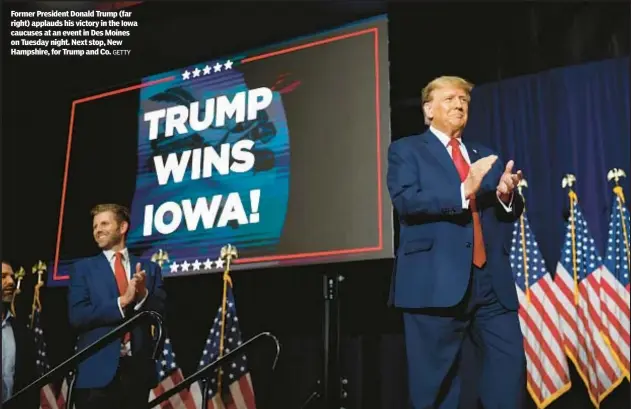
[
  {"x": 581, "y": 326},
  {"x": 547, "y": 368},
  {"x": 48, "y": 398},
  {"x": 615, "y": 301},
  {"x": 181, "y": 400},
  {"x": 241, "y": 395},
  {"x": 547, "y": 371}
]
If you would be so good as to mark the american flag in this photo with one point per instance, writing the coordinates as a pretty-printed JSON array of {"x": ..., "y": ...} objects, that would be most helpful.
[
  {"x": 169, "y": 375},
  {"x": 237, "y": 391},
  {"x": 615, "y": 283},
  {"x": 578, "y": 278},
  {"x": 65, "y": 388},
  {"x": 47, "y": 397},
  {"x": 548, "y": 374}
]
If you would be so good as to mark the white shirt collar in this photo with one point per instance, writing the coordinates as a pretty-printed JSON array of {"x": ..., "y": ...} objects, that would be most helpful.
[
  {"x": 7, "y": 315},
  {"x": 109, "y": 254},
  {"x": 444, "y": 139}
]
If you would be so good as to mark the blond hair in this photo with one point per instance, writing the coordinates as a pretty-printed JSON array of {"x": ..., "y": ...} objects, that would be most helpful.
[
  {"x": 121, "y": 213},
  {"x": 441, "y": 82}
]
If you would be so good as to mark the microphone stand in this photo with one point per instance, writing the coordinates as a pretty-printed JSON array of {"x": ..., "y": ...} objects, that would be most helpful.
[{"x": 329, "y": 388}]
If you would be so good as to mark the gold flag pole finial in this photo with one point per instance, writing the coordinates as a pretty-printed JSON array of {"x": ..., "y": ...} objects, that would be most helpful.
[
  {"x": 19, "y": 276},
  {"x": 522, "y": 228},
  {"x": 616, "y": 174},
  {"x": 160, "y": 257},
  {"x": 568, "y": 182},
  {"x": 228, "y": 252},
  {"x": 38, "y": 269}
]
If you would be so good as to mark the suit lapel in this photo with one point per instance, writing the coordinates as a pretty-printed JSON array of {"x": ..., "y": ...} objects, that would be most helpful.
[
  {"x": 132, "y": 265},
  {"x": 474, "y": 154},
  {"x": 439, "y": 151},
  {"x": 105, "y": 274}
]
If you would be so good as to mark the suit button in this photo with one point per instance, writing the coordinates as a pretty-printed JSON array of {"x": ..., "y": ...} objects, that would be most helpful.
[{"x": 468, "y": 245}]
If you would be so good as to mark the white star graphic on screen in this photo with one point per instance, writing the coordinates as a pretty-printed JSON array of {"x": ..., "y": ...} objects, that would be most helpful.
[
  {"x": 219, "y": 263},
  {"x": 185, "y": 265},
  {"x": 217, "y": 67},
  {"x": 208, "y": 264},
  {"x": 207, "y": 69},
  {"x": 228, "y": 65},
  {"x": 186, "y": 75},
  {"x": 196, "y": 72},
  {"x": 196, "y": 265},
  {"x": 174, "y": 267}
]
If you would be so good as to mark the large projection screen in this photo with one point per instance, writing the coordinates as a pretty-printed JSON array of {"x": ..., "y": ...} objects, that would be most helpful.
[{"x": 280, "y": 152}]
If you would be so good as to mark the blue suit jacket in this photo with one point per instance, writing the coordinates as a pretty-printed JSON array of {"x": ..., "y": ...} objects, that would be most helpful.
[
  {"x": 434, "y": 258},
  {"x": 94, "y": 311}
]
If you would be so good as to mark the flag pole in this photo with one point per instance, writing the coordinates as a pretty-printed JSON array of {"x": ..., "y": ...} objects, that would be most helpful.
[
  {"x": 615, "y": 175},
  {"x": 228, "y": 252},
  {"x": 19, "y": 276},
  {"x": 160, "y": 257},
  {"x": 568, "y": 181},
  {"x": 523, "y": 184},
  {"x": 38, "y": 269}
]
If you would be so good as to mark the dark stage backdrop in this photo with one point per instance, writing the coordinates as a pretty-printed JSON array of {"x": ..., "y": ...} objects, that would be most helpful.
[
  {"x": 37, "y": 95},
  {"x": 568, "y": 120}
]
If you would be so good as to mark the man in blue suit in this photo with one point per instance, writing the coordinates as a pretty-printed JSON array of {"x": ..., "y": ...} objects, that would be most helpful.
[
  {"x": 452, "y": 277},
  {"x": 104, "y": 291}
]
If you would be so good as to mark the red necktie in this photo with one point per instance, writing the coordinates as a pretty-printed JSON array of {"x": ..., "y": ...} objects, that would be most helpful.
[
  {"x": 121, "y": 282},
  {"x": 479, "y": 253}
]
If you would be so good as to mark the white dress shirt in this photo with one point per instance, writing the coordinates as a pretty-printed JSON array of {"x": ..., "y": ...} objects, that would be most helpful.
[
  {"x": 444, "y": 139},
  {"x": 8, "y": 357},
  {"x": 110, "y": 255}
]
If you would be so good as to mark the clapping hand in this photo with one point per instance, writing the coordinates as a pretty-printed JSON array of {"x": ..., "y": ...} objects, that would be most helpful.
[
  {"x": 477, "y": 172},
  {"x": 508, "y": 182},
  {"x": 140, "y": 279}
]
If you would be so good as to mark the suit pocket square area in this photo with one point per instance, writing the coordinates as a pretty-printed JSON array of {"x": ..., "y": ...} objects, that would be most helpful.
[{"x": 414, "y": 246}]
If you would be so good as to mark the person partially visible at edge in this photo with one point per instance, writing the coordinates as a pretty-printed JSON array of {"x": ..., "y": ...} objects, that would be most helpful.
[
  {"x": 19, "y": 357},
  {"x": 105, "y": 290},
  {"x": 456, "y": 204}
]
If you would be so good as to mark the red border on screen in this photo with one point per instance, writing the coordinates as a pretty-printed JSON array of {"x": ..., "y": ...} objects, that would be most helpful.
[{"x": 379, "y": 247}]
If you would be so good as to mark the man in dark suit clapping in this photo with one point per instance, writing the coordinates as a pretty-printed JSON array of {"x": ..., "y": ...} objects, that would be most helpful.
[{"x": 456, "y": 204}]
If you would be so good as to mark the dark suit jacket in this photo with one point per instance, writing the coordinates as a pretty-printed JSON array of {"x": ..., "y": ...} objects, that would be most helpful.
[
  {"x": 434, "y": 258},
  {"x": 25, "y": 366},
  {"x": 93, "y": 312}
]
